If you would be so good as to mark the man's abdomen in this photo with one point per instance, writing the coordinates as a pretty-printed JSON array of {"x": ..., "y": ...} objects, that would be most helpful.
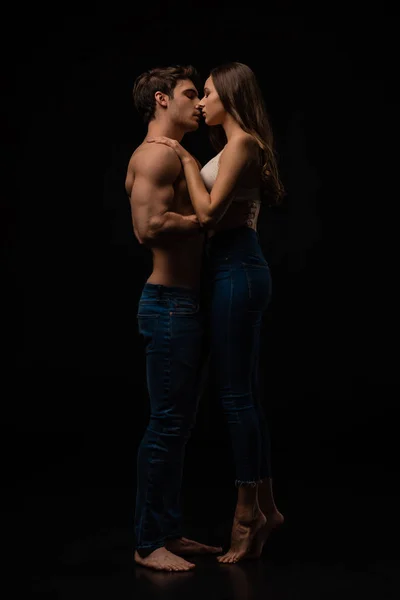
[{"x": 178, "y": 265}]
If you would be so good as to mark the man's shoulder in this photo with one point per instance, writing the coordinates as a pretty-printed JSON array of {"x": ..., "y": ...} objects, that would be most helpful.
[{"x": 156, "y": 157}]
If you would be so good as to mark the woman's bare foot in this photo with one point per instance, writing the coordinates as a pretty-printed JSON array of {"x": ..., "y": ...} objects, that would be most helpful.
[
  {"x": 183, "y": 546},
  {"x": 273, "y": 521},
  {"x": 163, "y": 560},
  {"x": 243, "y": 534}
]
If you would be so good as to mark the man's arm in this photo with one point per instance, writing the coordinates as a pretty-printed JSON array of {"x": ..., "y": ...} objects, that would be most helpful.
[{"x": 152, "y": 195}]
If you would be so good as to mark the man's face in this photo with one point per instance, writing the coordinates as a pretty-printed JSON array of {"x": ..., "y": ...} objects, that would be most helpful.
[{"x": 183, "y": 107}]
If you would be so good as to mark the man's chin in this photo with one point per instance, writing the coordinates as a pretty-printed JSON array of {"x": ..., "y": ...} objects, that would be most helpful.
[{"x": 192, "y": 126}]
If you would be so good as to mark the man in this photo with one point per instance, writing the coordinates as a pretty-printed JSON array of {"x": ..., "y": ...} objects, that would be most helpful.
[{"x": 168, "y": 314}]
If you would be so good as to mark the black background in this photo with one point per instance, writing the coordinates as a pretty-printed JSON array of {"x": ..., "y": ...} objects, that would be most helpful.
[{"x": 73, "y": 384}]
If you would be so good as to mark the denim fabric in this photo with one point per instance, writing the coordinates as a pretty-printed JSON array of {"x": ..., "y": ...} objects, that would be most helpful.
[
  {"x": 171, "y": 323},
  {"x": 238, "y": 283}
]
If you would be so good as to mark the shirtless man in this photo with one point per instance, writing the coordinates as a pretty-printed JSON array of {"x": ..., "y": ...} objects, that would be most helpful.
[{"x": 168, "y": 314}]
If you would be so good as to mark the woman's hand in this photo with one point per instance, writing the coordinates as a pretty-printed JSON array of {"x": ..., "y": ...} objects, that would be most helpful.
[{"x": 183, "y": 154}]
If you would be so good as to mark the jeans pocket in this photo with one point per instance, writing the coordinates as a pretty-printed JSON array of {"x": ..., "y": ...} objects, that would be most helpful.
[
  {"x": 148, "y": 328},
  {"x": 253, "y": 261},
  {"x": 150, "y": 308},
  {"x": 184, "y": 307}
]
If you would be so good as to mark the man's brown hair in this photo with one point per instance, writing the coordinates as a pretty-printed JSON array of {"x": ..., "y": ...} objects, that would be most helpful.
[{"x": 160, "y": 79}]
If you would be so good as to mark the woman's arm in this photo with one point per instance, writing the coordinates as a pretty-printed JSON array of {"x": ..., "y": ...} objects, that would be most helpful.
[{"x": 211, "y": 207}]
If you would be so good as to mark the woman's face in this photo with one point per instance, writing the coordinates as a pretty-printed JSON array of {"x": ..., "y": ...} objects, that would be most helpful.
[{"x": 211, "y": 105}]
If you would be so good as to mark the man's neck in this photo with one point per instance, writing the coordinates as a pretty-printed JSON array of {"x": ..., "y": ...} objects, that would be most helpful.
[{"x": 170, "y": 130}]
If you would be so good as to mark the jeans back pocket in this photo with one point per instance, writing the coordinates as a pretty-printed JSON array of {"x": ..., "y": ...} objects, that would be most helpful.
[{"x": 185, "y": 306}]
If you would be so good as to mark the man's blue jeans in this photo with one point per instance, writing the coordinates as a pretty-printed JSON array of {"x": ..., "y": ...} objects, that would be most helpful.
[{"x": 170, "y": 321}]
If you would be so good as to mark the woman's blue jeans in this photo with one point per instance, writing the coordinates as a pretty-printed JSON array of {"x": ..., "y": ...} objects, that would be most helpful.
[
  {"x": 172, "y": 326},
  {"x": 237, "y": 282}
]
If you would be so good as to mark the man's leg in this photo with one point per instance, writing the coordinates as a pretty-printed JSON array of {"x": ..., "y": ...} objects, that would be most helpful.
[
  {"x": 187, "y": 344},
  {"x": 173, "y": 331},
  {"x": 161, "y": 449}
]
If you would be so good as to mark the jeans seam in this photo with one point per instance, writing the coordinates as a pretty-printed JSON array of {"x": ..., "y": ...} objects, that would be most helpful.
[
  {"x": 248, "y": 282},
  {"x": 240, "y": 483},
  {"x": 167, "y": 359}
]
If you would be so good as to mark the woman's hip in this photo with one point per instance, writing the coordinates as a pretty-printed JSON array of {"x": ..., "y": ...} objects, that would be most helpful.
[{"x": 239, "y": 287}]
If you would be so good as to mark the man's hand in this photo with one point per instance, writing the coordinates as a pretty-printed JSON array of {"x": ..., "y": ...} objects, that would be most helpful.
[{"x": 192, "y": 218}]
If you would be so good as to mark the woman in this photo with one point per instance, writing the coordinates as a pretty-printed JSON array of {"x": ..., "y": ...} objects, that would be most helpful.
[{"x": 226, "y": 195}]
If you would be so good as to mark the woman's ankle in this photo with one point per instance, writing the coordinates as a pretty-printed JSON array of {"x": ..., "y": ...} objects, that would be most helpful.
[{"x": 247, "y": 514}]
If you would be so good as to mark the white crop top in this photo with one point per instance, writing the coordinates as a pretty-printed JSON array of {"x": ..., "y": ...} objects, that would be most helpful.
[{"x": 240, "y": 194}]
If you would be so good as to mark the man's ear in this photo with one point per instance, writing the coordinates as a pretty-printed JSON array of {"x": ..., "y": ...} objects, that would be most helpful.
[{"x": 161, "y": 99}]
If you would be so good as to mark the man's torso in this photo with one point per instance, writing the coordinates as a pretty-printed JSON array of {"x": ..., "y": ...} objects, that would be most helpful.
[{"x": 177, "y": 260}]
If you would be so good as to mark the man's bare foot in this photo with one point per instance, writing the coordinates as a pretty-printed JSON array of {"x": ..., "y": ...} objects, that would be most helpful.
[
  {"x": 273, "y": 521},
  {"x": 183, "y": 546},
  {"x": 243, "y": 534},
  {"x": 163, "y": 560}
]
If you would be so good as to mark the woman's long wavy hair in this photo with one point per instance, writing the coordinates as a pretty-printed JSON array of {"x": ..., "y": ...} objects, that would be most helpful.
[{"x": 241, "y": 97}]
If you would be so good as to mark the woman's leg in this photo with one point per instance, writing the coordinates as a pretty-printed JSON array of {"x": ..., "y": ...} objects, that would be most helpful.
[
  {"x": 233, "y": 336},
  {"x": 239, "y": 297},
  {"x": 232, "y": 342},
  {"x": 265, "y": 495}
]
